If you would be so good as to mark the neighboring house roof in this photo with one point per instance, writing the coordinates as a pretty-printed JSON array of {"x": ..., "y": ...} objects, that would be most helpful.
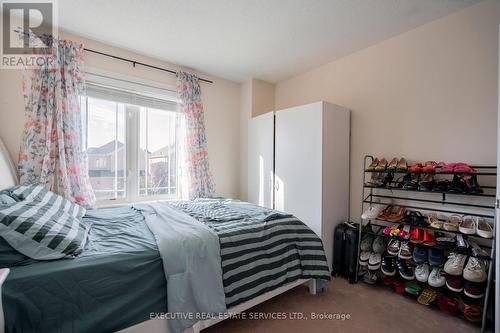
[
  {"x": 105, "y": 149},
  {"x": 164, "y": 150}
]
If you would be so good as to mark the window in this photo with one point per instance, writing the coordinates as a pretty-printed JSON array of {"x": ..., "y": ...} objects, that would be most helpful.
[
  {"x": 157, "y": 170},
  {"x": 131, "y": 143}
]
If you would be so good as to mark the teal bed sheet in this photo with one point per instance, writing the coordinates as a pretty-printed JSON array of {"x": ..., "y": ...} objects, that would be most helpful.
[{"x": 117, "y": 281}]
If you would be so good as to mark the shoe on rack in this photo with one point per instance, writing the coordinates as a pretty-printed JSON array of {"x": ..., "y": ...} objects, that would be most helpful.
[
  {"x": 396, "y": 214},
  {"x": 462, "y": 244},
  {"x": 427, "y": 296},
  {"x": 427, "y": 182},
  {"x": 477, "y": 251},
  {"x": 484, "y": 228},
  {"x": 471, "y": 311},
  {"x": 382, "y": 165},
  {"x": 366, "y": 243},
  {"x": 436, "y": 279},
  {"x": 474, "y": 290},
  {"x": 472, "y": 184},
  {"x": 436, "y": 257},
  {"x": 445, "y": 243},
  {"x": 434, "y": 222},
  {"x": 393, "y": 247},
  {"x": 420, "y": 254},
  {"x": 454, "y": 283},
  {"x": 412, "y": 288},
  {"x": 455, "y": 264},
  {"x": 373, "y": 212},
  {"x": 452, "y": 223},
  {"x": 405, "y": 270},
  {"x": 402, "y": 165},
  {"x": 388, "y": 266},
  {"x": 429, "y": 238},
  {"x": 457, "y": 185},
  {"x": 393, "y": 164},
  {"x": 475, "y": 270},
  {"x": 379, "y": 244},
  {"x": 363, "y": 258},
  {"x": 374, "y": 261},
  {"x": 370, "y": 277},
  {"x": 422, "y": 272},
  {"x": 405, "y": 250},
  {"x": 468, "y": 225},
  {"x": 372, "y": 166},
  {"x": 416, "y": 236},
  {"x": 447, "y": 304}
]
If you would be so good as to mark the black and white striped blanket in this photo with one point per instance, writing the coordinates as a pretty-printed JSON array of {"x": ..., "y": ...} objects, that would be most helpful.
[{"x": 262, "y": 249}]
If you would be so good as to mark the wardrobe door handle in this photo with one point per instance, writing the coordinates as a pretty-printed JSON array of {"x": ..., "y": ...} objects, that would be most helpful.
[{"x": 277, "y": 186}]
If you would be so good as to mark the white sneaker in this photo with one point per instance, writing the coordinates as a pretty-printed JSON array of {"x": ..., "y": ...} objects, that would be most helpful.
[
  {"x": 422, "y": 273},
  {"x": 363, "y": 258},
  {"x": 374, "y": 261},
  {"x": 372, "y": 212},
  {"x": 475, "y": 270},
  {"x": 436, "y": 280},
  {"x": 455, "y": 264},
  {"x": 379, "y": 244},
  {"x": 366, "y": 243}
]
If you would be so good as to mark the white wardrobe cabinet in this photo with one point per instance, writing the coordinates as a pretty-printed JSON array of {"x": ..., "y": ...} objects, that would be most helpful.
[
  {"x": 260, "y": 160},
  {"x": 311, "y": 164}
]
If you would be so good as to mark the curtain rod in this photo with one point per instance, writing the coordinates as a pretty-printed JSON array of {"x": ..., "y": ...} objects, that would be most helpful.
[{"x": 134, "y": 63}]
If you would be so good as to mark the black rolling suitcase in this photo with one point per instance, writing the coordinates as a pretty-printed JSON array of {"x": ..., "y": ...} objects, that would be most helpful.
[{"x": 345, "y": 251}]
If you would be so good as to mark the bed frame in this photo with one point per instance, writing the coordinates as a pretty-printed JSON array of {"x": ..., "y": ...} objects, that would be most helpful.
[
  {"x": 9, "y": 178},
  {"x": 161, "y": 325}
]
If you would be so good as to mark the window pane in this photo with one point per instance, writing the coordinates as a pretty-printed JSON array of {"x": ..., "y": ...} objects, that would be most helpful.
[
  {"x": 157, "y": 174},
  {"x": 106, "y": 148}
]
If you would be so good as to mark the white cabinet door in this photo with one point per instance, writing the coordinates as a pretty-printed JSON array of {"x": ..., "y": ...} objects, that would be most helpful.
[
  {"x": 298, "y": 162},
  {"x": 260, "y": 160}
]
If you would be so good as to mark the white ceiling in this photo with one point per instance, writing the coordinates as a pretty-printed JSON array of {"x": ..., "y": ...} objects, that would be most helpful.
[{"x": 241, "y": 39}]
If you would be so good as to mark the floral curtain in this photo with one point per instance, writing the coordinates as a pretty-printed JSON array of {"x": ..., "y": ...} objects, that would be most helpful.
[
  {"x": 52, "y": 151},
  {"x": 199, "y": 179}
]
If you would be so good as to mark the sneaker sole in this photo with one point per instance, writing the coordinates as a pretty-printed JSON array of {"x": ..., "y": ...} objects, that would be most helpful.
[
  {"x": 475, "y": 281},
  {"x": 454, "y": 289},
  {"x": 436, "y": 285},
  {"x": 473, "y": 296},
  {"x": 392, "y": 253},
  {"x": 363, "y": 263},
  {"x": 407, "y": 277},
  {"x": 405, "y": 257},
  {"x": 421, "y": 280},
  {"x": 373, "y": 267},
  {"x": 387, "y": 273}
]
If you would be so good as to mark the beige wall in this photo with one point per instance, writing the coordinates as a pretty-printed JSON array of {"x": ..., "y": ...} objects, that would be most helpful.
[
  {"x": 262, "y": 97},
  {"x": 428, "y": 94},
  {"x": 221, "y": 102}
]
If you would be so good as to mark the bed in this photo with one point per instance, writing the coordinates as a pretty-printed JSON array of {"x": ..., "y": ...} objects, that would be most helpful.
[{"x": 143, "y": 262}]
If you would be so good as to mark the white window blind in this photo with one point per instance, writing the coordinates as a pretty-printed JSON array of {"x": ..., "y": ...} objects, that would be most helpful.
[{"x": 127, "y": 90}]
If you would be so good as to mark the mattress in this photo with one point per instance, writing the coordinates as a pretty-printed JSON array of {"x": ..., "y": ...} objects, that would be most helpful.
[{"x": 117, "y": 281}]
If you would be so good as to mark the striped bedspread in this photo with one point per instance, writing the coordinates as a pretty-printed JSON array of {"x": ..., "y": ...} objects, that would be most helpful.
[{"x": 261, "y": 249}]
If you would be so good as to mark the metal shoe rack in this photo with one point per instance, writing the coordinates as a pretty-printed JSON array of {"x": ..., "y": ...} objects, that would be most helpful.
[{"x": 480, "y": 204}]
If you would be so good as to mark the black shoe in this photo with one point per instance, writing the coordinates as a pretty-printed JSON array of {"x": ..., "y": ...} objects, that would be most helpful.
[
  {"x": 405, "y": 271},
  {"x": 457, "y": 185},
  {"x": 389, "y": 177},
  {"x": 388, "y": 266},
  {"x": 473, "y": 185}
]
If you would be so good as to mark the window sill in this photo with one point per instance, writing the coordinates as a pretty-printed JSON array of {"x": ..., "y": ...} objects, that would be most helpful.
[{"x": 122, "y": 203}]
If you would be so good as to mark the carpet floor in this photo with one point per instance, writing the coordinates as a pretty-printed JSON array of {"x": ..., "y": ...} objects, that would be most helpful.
[{"x": 371, "y": 309}]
